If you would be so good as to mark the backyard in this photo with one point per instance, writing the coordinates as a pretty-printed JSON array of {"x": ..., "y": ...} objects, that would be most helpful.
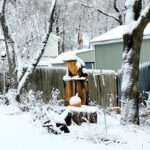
[{"x": 20, "y": 132}]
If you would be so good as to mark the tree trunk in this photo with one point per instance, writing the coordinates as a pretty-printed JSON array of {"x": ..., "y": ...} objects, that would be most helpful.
[
  {"x": 130, "y": 65},
  {"x": 10, "y": 51},
  {"x": 130, "y": 71}
]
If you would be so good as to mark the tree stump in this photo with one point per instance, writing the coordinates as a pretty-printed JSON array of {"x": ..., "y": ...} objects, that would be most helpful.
[{"x": 82, "y": 114}]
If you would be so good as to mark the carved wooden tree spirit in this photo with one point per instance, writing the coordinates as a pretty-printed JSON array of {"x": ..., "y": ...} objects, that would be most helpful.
[{"x": 75, "y": 80}]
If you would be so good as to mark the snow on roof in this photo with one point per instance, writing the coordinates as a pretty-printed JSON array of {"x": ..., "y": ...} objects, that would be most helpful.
[
  {"x": 63, "y": 56},
  {"x": 3, "y": 53},
  {"x": 45, "y": 61},
  {"x": 115, "y": 35},
  {"x": 69, "y": 57},
  {"x": 51, "y": 49}
]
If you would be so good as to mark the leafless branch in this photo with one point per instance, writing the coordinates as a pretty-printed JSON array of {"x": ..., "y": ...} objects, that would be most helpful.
[
  {"x": 115, "y": 6},
  {"x": 31, "y": 68},
  {"x": 102, "y": 12}
]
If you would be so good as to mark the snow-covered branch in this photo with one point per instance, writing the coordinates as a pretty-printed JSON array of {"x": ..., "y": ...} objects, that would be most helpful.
[
  {"x": 40, "y": 52},
  {"x": 136, "y": 21},
  {"x": 119, "y": 20}
]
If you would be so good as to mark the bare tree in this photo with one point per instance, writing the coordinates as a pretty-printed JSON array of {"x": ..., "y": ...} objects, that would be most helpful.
[
  {"x": 136, "y": 21},
  {"x": 13, "y": 55},
  {"x": 9, "y": 44}
]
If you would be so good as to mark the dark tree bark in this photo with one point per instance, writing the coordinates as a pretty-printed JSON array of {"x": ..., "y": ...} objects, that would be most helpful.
[{"x": 130, "y": 64}]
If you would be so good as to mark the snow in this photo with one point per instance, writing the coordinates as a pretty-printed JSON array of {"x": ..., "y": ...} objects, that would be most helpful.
[
  {"x": 129, "y": 14},
  {"x": 56, "y": 117},
  {"x": 99, "y": 72},
  {"x": 79, "y": 64},
  {"x": 63, "y": 56},
  {"x": 70, "y": 57},
  {"x": 68, "y": 78},
  {"x": 23, "y": 79},
  {"x": 51, "y": 49},
  {"x": 19, "y": 132},
  {"x": 84, "y": 70},
  {"x": 144, "y": 64},
  {"x": 45, "y": 61},
  {"x": 3, "y": 54},
  {"x": 144, "y": 12},
  {"x": 116, "y": 34},
  {"x": 129, "y": 3},
  {"x": 83, "y": 108},
  {"x": 75, "y": 100},
  {"x": 126, "y": 68}
]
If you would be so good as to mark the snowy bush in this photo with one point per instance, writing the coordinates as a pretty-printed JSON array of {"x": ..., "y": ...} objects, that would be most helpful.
[
  {"x": 144, "y": 113},
  {"x": 54, "y": 98},
  {"x": 30, "y": 100}
]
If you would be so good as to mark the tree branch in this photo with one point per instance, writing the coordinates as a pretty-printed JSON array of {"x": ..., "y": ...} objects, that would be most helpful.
[
  {"x": 102, "y": 12},
  {"x": 137, "y": 9},
  {"x": 115, "y": 6}
]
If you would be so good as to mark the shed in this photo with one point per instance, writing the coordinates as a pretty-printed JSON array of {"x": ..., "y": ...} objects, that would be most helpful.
[
  {"x": 87, "y": 55},
  {"x": 109, "y": 47}
]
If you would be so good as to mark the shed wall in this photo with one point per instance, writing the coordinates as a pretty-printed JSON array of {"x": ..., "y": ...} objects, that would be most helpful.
[
  {"x": 87, "y": 56},
  {"x": 145, "y": 51},
  {"x": 109, "y": 56}
]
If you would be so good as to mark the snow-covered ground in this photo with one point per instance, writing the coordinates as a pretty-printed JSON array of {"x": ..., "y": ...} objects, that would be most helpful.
[{"x": 19, "y": 132}]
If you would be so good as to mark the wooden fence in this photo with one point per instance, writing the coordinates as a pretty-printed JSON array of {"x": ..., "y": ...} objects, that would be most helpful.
[{"x": 47, "y": 79}]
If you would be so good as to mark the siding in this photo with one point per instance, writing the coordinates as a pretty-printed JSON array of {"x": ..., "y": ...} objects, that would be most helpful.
[
  {"x": 109, "y": 56},
  {"x": 87, "y": 56},
  {"x": 145, "y": 51}
]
